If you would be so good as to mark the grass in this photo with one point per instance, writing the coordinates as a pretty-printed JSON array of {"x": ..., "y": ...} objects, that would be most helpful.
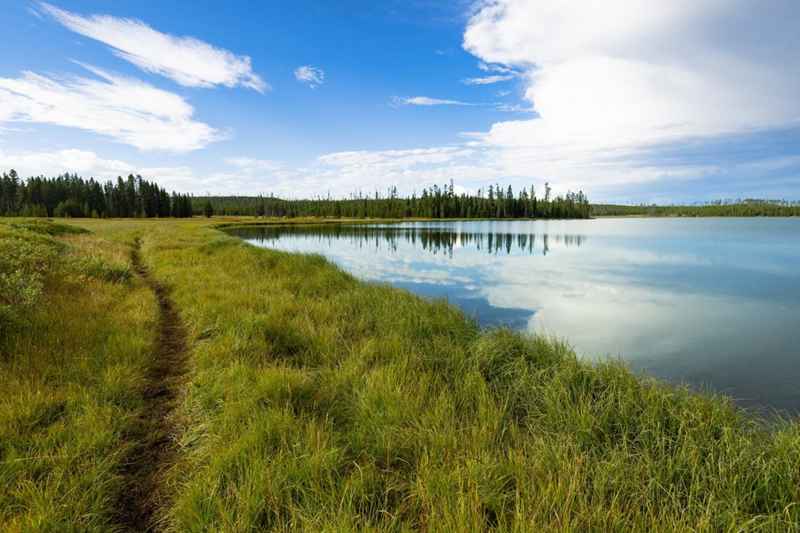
[
  {"x": 72, "y": 354},
  {"x": 316, "y": 402}
]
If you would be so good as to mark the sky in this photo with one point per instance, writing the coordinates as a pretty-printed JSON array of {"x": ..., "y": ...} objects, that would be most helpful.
[{"x": 631, "y": 101}]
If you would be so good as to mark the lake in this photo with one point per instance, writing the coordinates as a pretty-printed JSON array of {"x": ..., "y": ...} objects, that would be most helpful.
[{"x": 710, "y": 302}]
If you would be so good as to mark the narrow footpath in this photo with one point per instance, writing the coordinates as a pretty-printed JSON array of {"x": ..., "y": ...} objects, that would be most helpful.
[{"x": 154, "y": 432}]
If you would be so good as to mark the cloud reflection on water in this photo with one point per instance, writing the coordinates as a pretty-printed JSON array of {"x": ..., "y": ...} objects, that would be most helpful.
[{"x": 707, "y": 302}]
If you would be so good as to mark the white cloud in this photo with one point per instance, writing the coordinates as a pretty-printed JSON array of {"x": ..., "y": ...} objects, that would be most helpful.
[
  {"x": 427, "y": 101},
  {"x": 243, "y": 176},
  {"x": 614, "y": 79},
  {"x": 186, "y": 60},
  {"x": 497, "y": 74},
  {"x": 88, "y": 164},
  {"x": 125, "y": 109},
  {"x": 488, "y": 80},
  {"x": 57, "y": 162},
  {"x": 311, "y": 76},
  {"x": 495, "y": 68},
  {"x": 343, "y": 173},
  {"x": 394, "y": 159},
  {"x": 253, "y": 165}
]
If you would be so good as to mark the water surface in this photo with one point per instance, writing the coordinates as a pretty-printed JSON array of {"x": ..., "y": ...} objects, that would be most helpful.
[{"x": 714, "y": 303}]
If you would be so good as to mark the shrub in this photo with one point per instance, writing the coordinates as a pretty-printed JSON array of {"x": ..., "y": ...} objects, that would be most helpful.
[
  {"x": 48, "y": 227},
  {"x": 25, "y": 258},
  {"x": 69, "y": 209}
]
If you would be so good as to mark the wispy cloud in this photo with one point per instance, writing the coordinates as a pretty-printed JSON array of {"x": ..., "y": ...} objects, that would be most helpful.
[
  {"x": 186, "y": 60},
  {"x": 33, "y": 11},
  {"x": 311, "y": 76},
  {"x": 488, "y": 80},
  {"x": 127, "y": 110},
  {"x": 425, "y": 101},
  {"x": 428, "y": 101},
  {"x": 488, "y": 67},
  {"x": 250, "y": 164}
]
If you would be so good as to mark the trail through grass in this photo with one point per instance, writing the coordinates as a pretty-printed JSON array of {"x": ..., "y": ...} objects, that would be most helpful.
[{"x": 153, "y": 435}]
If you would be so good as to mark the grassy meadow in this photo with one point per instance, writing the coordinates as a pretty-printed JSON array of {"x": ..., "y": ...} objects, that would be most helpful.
[
  {"x": 316, "y": 402},
  {"x": 74, "y": 339}
]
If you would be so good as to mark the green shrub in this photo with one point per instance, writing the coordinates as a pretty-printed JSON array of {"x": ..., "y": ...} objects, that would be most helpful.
[
  {"x": 25, "y": 260},
  {"x": 48, "y": 227},
  {"x": 69, "y": 209},
  {"x": 23, "y": 264}
]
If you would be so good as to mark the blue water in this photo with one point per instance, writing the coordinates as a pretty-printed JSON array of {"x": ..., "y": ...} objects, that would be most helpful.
[{"x": 713, "y": 303}]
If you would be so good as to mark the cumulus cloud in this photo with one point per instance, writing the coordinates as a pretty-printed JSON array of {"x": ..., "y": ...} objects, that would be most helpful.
[
  {"x": 343, "y": 173},
  {"x": 311, "y": 76},
  {"x": 238, "y": 175},
  {"x": 615, "y": 100},
  {"x": 611, "y": 96},
  {"x": 611, "y": 79},
  {"x": 125, "y": 109},
  {"x": 186, "y": 60},
  {"x": 51, "y": 163},
  {"x": 87, "y": 163},
  {"x": 346, "y": 172}
]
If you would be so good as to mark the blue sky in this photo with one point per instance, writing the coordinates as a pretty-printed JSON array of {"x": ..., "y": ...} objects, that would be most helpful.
[{"x": 687, "y": 101}]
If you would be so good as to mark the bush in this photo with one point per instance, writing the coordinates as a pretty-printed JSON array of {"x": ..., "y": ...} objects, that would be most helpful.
[
  {"x": 69, "y": 209},
  {"x": 48, "y": 227},
  {"x": 20, "y": 288},
  {"x": 23, "y": 265}
]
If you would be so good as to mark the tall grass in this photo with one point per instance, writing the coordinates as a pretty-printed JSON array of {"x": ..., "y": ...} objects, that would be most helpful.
[
  {"x": 316, "y": 402},
  {"x": 320, "y": 403},
  {"x": 74, "y": 341}
]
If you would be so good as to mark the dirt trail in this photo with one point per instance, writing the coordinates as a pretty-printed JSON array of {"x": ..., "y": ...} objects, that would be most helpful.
[{"x": 153, "y": 436}]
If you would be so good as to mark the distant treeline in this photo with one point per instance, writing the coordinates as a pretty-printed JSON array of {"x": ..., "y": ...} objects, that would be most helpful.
[
  {"x": 71, "y": 196},
  {"x": 738, "y": 208},
  {"x": 434, "y": 202}
]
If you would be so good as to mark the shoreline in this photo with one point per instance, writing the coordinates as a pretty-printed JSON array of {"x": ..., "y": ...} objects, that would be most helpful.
[{"x": 319, "y": 400}]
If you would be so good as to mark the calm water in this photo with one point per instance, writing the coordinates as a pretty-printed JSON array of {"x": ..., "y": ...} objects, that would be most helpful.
[{"x": 710, "y": 302}]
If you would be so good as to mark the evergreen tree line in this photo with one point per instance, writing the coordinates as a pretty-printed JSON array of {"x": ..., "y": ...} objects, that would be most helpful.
[
  {"x": 720, "y": 208},
  {"x": 71, "y": 196},
  {"x": 433, "y": 202}
]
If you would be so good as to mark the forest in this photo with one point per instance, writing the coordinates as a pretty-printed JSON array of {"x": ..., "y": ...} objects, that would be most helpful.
[
  {"x": 737, "y": 208},
  {"x": 434, "y": 202},
  {"x": 71, "y": 196}
]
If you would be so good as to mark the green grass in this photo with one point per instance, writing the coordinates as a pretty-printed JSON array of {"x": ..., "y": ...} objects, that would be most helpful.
[
  {"x": 72, "y": 354},
  {"x": 316, "y": 402}
]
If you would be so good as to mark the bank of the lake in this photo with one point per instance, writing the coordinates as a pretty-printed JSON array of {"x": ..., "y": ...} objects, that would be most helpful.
[
  {"x": 709, "y": 302},
  {"x": 314, "y": 401}
]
